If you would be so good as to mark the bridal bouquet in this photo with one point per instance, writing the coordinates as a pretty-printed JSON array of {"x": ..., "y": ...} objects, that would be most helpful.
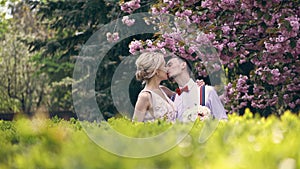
[{"x": 201, "y": 112}]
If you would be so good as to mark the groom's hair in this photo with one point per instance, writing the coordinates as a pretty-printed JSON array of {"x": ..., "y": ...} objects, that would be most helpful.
[{"x": 181, "y": 59}]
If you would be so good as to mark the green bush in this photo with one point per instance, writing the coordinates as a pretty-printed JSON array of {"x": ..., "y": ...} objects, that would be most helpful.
[{"x": 241, "y": 142}]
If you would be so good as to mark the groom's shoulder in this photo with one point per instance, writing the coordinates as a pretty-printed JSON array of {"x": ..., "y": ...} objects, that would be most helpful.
[{"x": 209, "y": 88}]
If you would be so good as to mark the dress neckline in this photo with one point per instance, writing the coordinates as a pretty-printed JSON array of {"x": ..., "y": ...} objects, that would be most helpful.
[{"x": 166, "y": 99}]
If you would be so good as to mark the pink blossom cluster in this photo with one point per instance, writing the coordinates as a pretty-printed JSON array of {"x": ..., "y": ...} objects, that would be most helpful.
[
  {"x": 112, "y": 37},
  {"x": 241, "y": 85},
  {"x": 135, "y": 46},
  {"x": 294, "y": 22},
  {"x": 164, "y": 7},
  {"x": 130, "y": 6},
  {"x": 227, "y": 4},
  {"x": 127, "y": 21}
]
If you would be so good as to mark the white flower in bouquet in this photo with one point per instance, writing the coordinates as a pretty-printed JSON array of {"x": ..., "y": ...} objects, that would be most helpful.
[
  {"x": 204, "y": 113},
  {"x": 201, "y": 112}
]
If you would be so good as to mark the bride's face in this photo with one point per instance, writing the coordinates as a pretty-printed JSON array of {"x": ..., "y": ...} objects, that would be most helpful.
[{"x": 162, "y": 72}]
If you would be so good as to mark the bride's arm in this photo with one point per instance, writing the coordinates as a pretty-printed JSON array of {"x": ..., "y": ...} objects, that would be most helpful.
[{"x": 141, "y": 106}]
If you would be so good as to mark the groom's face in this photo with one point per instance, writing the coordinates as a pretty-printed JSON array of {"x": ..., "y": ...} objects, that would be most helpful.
[{"x": 174, "y": 67}]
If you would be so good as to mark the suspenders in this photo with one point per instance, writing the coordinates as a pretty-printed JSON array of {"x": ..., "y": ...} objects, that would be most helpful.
[{"x": 202, "y": 95}]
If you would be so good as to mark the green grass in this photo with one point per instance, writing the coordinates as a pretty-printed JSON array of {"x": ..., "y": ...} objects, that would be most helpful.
[{"x": 241, "y": 142}]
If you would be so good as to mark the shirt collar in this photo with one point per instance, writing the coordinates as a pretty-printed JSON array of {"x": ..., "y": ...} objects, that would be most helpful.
[{"x": 190, "y": 83}]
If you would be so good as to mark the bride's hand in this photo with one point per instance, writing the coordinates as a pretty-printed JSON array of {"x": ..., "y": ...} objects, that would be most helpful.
[{"x": 200, "y": 82}]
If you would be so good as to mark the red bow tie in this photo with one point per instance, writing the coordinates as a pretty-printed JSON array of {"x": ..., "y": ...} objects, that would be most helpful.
[{"x": 184, "y": 89}]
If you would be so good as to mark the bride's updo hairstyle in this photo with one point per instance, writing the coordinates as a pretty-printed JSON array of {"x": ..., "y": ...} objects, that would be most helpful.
[{"x": 147, "y": 64}]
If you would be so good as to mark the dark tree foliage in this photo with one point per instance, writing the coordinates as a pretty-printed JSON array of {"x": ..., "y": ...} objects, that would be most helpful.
[{"x": 71, "y": 23}]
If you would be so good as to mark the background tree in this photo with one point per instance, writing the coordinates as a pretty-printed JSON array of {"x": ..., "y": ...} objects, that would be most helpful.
[{"x": 22, "y": 89}]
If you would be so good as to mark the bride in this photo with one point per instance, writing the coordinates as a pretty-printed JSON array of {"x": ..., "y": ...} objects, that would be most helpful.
[{"x": 153, "y": 102}]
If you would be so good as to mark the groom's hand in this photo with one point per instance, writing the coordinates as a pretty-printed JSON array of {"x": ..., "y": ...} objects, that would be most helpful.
[{"x": 200, "y": 82}]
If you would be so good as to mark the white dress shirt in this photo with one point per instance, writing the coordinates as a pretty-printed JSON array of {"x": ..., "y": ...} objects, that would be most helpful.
[{"x": 190, "y": 99}]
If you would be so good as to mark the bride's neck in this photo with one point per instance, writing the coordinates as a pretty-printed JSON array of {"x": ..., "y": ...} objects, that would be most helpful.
[{"x": 152, "y": 84}]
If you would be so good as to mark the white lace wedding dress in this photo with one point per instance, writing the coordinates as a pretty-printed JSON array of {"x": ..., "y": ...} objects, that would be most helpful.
[{"x": 161, "y": 108}]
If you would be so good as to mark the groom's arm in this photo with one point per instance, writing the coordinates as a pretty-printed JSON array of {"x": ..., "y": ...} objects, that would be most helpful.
[
  {"x": 168, "y": 92},
  {"x": 215, "y": 104}
]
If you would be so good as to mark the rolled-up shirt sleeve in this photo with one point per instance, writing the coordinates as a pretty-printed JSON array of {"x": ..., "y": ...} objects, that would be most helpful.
[{"x": 215, "y": 105}]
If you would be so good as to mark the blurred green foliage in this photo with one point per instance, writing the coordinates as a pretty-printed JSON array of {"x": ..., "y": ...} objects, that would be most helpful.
[{"x": 241, "y": 142}]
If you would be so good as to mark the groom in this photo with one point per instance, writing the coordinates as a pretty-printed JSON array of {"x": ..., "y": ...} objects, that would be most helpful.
[{"x": 189, "y": 96}]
